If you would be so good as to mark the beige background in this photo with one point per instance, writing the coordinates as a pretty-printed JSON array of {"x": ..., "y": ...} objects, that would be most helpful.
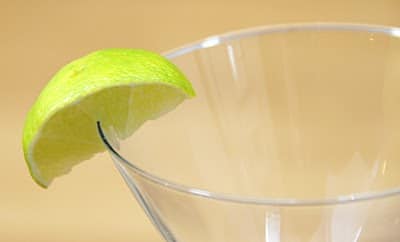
[{"x": 38, "y": 37}]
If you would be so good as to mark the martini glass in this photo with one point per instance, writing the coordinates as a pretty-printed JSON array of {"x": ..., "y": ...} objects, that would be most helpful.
[{"x": 294, "y": 136}]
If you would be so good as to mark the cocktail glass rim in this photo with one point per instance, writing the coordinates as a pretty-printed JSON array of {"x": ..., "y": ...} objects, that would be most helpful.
[{"x": 265, "y": 201}]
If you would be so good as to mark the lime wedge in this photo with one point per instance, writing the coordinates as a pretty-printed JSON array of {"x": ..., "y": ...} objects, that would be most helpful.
[{"x": 121, "y": 88}]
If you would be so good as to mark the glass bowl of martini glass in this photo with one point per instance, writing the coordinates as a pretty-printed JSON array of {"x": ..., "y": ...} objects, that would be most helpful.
[{"x": 293, "y": 136}]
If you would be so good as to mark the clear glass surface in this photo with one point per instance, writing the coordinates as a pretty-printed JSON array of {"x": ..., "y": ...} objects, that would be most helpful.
[{"x": 294, "y": 136}]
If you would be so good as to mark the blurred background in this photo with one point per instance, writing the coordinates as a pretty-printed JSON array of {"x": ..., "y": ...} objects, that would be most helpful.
[{"x": 38, "y": 37}]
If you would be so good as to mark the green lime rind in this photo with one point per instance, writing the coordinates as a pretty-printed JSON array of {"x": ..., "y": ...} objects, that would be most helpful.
[{"x": 99, "y": 73}]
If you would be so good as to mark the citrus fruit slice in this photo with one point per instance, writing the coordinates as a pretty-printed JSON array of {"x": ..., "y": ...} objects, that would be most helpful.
[{"x": 121, "y": 88}]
